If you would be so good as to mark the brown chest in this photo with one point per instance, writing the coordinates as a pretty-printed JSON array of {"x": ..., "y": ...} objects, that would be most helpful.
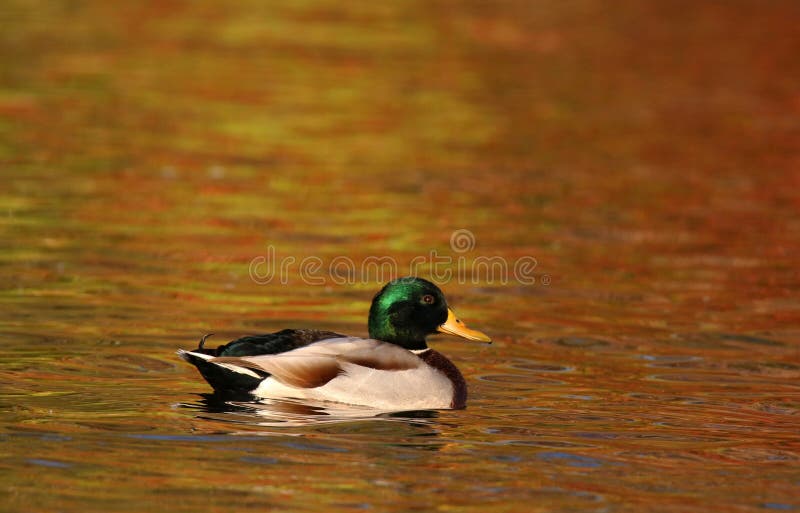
[{"x": 440, "y": 362}]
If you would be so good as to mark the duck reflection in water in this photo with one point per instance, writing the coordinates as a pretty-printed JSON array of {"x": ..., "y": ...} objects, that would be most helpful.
[{"x": 297, "y": 413}]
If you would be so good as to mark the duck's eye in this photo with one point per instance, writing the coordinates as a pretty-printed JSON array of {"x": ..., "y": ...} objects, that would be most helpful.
[{"x": 428, "y": 299}]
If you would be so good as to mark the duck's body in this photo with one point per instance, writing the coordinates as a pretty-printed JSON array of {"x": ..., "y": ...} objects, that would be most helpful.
[
  {"x": 393, "y": 370},
  {"x": 343, "y": 369}
]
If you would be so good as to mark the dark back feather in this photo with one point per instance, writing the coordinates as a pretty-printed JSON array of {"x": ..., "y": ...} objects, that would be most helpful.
[{"x": 271, "y": 343}]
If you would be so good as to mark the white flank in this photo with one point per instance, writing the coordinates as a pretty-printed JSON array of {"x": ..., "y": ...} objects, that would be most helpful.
[
  {"x": 415, "y": 389},
  {"x": 419, "y": 386}
]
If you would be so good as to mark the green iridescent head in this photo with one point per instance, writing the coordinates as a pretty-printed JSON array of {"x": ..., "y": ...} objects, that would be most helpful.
[{"x": 407, "y": 310}]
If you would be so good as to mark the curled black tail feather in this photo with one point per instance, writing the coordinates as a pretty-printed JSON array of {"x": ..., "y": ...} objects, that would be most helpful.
[{"x": 203, "y": 340}]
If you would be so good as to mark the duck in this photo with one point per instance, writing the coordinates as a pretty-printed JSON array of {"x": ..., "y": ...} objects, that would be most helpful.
[{"x": 392, "y": 370}]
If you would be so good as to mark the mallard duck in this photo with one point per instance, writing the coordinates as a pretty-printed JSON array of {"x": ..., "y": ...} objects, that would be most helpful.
[{"x": 394, "y": 369}]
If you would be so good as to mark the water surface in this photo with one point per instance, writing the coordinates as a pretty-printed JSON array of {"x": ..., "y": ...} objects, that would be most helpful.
[{"x": 645, "y": 156}]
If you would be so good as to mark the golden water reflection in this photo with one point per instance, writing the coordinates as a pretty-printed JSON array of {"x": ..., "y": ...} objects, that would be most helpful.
[{"x": 644, "y": 155}]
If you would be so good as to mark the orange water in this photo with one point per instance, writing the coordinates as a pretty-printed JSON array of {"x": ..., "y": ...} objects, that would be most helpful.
[{"x": 645, "y": 154}]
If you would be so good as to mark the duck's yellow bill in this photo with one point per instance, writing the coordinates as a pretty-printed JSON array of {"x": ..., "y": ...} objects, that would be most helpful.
[{"x": 455, "y": 326}]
